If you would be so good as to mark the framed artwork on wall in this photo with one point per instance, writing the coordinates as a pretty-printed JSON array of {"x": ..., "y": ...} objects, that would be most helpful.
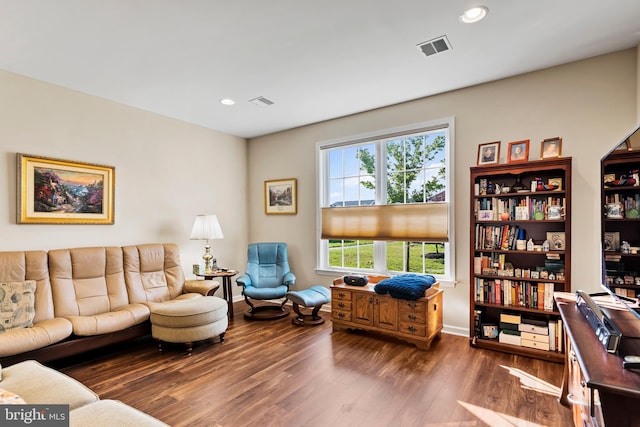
[
  {"x": 55, "y": 191},
  {"x": 489, "y": 153},
  {"x": 280, "y": 196}
]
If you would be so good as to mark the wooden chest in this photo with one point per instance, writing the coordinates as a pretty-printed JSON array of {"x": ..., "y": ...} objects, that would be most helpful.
[{"x": 356, "y": 307}]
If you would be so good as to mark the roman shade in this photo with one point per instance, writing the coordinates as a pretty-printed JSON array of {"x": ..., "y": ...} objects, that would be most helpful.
[{"x": 412, "y": 222}]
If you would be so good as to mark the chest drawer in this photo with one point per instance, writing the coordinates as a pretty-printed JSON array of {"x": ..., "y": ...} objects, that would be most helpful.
[
  {"x": 413, "y": 329},
  {"x": 413, "y": 306},
  {"x": 341, "y": 305},
  {"x": 340, "y": 295},
  {"x": 341, "y": 315}
]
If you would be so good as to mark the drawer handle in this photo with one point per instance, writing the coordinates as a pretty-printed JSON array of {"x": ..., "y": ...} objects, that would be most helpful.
[
  {"x": 341, "y": 294},
  {"x": 341, "y": 305},
  {"x": 341, "y": 315},
  {"x": 412, "y": 317},
  {"x": 412, "y": 329},
  {"x": 412, "y": 305}
]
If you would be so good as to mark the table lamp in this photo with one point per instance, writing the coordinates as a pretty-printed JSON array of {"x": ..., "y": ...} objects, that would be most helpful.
[{"x": 206, "y": 227}]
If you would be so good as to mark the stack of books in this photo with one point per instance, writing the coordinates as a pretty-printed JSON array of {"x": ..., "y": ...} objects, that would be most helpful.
[
  {"x": 535, "y": 334},
  {"x": 510, "y": 329}
]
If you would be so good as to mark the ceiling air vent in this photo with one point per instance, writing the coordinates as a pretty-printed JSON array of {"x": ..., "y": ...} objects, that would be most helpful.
[
  {"x": 261, "y": 101},
  {"x": 431, "y": 47}
]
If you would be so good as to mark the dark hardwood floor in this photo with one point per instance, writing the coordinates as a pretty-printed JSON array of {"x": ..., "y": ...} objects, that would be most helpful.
[{"x": 277, "y": 374}]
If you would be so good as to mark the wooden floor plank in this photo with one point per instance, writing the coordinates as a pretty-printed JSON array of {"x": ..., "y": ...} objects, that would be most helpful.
[{"x": 277, "y": 374}]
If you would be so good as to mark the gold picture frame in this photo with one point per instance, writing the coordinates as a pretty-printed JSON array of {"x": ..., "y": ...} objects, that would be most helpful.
[
  {"x": 551, "y": 148},
  {"x": 280, "y": 197},
  {"x": 55, "y": 191}
]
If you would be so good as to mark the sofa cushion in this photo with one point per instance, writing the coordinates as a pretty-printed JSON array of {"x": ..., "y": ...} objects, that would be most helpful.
[
  {"x": 87, "y": 281},
  {"x": 9, "y": 398},
  {"x": 40, "y": 335},
  {"x": 40, "y": 385},
  {"x": 109, "y": 413},
  {"x": 112, "y": 321},
  {"x": 153, "y": 272},
  {"x": 17, "y": 304},
  {"x": 30, "y": 265}
]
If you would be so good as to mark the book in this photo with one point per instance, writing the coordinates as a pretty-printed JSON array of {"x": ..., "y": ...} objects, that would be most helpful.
[
  {"x": 539, "y": 330},
  {"x": 509, "y": 326},
  {"x": 510, "y": 318},
  {"x": 553, "y": 325},
  {"x": 508, "y": 338},
  {"x": 535, "y": 344},
  {"x": 544, "y": 338}
]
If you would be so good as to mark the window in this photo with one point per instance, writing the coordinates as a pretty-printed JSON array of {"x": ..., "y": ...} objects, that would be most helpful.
[{"x": 394, "y": 167}]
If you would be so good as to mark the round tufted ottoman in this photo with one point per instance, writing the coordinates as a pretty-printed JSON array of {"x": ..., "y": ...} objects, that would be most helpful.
[{"x": 189, "y": 320}]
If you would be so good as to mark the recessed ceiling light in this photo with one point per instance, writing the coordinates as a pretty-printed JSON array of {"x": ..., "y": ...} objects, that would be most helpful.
[
  {"x": 474, "y": 14},
  {"x": 227, "y": 101}
]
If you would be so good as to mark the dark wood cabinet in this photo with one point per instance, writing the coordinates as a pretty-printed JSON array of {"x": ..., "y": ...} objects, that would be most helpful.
[
  {"x": 596, "y": 386},
  {"x": 520, "y": 253}
]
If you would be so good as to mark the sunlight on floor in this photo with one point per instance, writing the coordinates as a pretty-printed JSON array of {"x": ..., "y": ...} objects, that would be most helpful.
[
  {"x": 497, "y": 419},
  {"x": 529, "y": 382}
]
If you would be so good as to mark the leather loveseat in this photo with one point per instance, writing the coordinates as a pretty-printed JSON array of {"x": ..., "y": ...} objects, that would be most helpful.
[{"x": 86, "y": 298}]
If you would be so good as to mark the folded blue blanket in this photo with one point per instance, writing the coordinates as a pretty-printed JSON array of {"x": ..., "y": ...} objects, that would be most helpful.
[{"x": 406, "y": 286}]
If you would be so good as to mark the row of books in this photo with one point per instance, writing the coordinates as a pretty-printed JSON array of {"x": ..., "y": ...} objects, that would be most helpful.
[
  {"x": 626, "y": 292},
  {"x": 628, "y": 202},
  {"x": 532, "y": 333},
  {"x": 491, "y": 208},
  {"x": 496, "y": 264},
  {"x": 500, "y": 237},
  {"x": 517, "y": 293}
]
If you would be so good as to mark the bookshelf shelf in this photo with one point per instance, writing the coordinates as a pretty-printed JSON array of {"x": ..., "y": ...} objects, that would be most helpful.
[{"x": 510, "y": 277}]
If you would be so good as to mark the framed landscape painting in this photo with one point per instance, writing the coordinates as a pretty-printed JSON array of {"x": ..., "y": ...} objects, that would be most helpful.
[
  {"x": 280, "y": 196},
  {"x": 54, "y": 191}
]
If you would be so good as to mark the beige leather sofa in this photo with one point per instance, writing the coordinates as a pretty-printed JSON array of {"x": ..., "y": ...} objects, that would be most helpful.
[
  {"x": 87, "y": 298},
  {"x": 32, "y": 383}
]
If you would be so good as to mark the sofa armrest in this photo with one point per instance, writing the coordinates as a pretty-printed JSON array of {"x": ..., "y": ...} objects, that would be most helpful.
[{"x": 201, "y": 286}]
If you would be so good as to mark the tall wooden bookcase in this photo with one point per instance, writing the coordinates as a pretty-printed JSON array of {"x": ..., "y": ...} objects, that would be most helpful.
[
  {"x": 510, "y": 280},
  {"x": 621, "y": 222}
]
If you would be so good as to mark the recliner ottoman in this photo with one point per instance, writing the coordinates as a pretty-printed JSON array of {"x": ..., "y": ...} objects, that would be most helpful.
[{"x": 189, "y": 320}]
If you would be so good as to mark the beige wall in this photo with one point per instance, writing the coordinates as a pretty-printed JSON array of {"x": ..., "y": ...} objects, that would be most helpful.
[
  {"x": 167, "y": 171},
  {"x": 590, "y": 104}
]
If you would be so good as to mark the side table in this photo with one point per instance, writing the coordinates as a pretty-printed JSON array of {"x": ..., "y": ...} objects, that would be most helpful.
[{"x": 226, "y": 286}]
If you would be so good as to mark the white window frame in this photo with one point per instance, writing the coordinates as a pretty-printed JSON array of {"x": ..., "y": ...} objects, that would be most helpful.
[{"x": 322, "y": 188}]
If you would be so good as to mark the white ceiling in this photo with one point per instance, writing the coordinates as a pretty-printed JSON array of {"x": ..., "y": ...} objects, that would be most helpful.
[{"x": 315, "y": 59}]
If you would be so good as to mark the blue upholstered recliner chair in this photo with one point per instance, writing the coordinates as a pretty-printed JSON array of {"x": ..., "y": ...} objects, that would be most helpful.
[{"x": 267, "y": 278}]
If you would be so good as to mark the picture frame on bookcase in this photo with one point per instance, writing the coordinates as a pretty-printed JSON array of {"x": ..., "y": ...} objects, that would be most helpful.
[
  {"x": 489, "y": 331},
  {"x": 611, "y": 241},
  {"x": 518, "y": 152},
  {"x": 489, "y": 153},
  {"x": 550, "y": 148},
  {"x": 556, "y": 240}
]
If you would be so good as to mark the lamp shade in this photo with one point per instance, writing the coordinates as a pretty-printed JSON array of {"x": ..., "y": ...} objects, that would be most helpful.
[{"x": 206, "y": 227}]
